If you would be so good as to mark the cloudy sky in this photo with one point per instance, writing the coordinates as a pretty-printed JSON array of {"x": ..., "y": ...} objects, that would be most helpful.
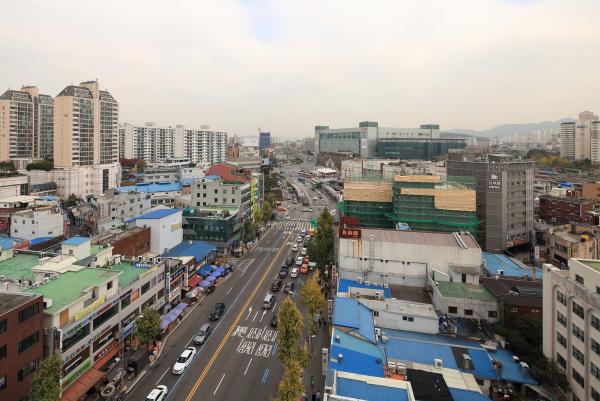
[{"x": 287, "y": 65}]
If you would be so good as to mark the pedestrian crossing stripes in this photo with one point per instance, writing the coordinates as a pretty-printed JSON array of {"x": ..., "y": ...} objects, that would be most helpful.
[{"x": 293, "y": 225}]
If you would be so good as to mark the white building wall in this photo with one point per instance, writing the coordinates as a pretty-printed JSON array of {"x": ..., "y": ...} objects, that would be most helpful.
[
  {"x": 166, "y": 232},
  {"x": 11, "y": 186},
  {"x": 32, "y": 224}
]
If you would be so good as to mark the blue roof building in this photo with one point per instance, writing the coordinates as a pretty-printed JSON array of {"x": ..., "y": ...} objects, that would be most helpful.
[
  {"x": 345, "y": 284},
  {"x": 76, "y": 240},
  {"x": 155, "y": 214},
  {"x": 502, "y": 265},
  {"x": 349, "y": 313},
  {"x": 200, "y": 250},
  {"x": 7, "y": 243},
  {"x": 152, "y": 187}
]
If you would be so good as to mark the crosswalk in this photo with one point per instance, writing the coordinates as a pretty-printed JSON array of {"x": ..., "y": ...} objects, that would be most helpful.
[{"x": 292, "y": 225}]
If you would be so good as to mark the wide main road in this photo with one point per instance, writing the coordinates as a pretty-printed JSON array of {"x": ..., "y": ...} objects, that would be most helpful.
[{"x": 239, "y": 361}]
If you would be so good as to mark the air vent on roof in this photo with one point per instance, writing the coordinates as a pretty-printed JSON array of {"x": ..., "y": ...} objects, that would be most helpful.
[
  {"x": 437, "y": 363},
  {"x": 47, "y": 303},
  {"x": 340, "y": 357},
  {"x": 337, "y": 338}
]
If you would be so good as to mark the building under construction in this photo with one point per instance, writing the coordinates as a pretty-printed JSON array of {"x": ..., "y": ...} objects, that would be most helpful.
[{"x": 418, "y": 202}]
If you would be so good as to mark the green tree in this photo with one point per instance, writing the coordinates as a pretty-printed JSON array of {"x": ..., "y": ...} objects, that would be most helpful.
[
  {"x": 45, "y": 385},
  {"x": 72, "y": 200},
  {"x": 312, "y": 299},
  {"x": 289, "y": 330},
  {"x": 148, "y": 325},
  {"x": 140, "y": 166},
  {"x": 249, "y": 231},
  {"x": 256, "y": 215},
  {"x": 266, "y": 212},
  {"x": 290, "y": 386}
]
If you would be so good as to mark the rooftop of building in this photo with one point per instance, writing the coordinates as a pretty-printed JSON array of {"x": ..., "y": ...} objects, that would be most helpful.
[
  {"x": 399, "y": 306},
  {"x": 368, "y": 192},
  {"x": 197, "y": 249},
  {"x": 129, "y": 273},
  {"x": 228, "y": 172},
  {"x": 358, "y": 356},
  {"x": 591, "y": 263},
  {"x": 502, "y": 265},
  {"x": 152, "y": 187},
  {"x": 435, "y": 239},
  {"x": 7, "y": 243},
  {"x": 71, "y": 285},
  {"x": 368, "y": 388},
  {"x": 157, "y": 214},
  {"x": 12, "y": 300},
  {"x": 515, "y": 291},
  {"x": 344, "y": 285},
  {"x": 432, "y": 179},
  {"x": 19, "y": 266},
  {"x": 349, "y": 313},
  {"x": 76, "y": 240},
  {"x": 18, "y": 199},
  {"x": 465, "y": 291},
  {"x": 564, "y": 199}
]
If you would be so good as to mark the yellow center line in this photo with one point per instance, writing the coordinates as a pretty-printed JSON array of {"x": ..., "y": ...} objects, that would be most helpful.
[{"x": 212, "y": 360}]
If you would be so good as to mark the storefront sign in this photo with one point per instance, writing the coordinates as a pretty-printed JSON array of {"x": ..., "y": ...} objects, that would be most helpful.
[
  {"x": 90, "y": 308},
  {"x": 353, "y": 233},
  {"x": 494, "y": 183},
  {"x": 105, "y": 351},
  {"x": 76, "y": 373},
  {"x": 176, "y": 291}
]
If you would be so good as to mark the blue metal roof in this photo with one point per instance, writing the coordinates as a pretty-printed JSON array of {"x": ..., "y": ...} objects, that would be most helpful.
[
  {"x": 512, "y": 371},
  {"x": 434, "y": 338},
  {"x": 498, "y": 261},
  {"x": 187, "y": 181},
  {"x": 348, "y": 312},
  {"x": 358, "y": 389},
  {"x": 7, "y": 243},
  {"x": 355, "y": 362},
  {"x": 152, "y": 188},
  {"x": 467, "y": 395},
  {"x": 356, "y": 344},
  {"x": 344, "y": 284},
  {"x": 76, "y": 240},
  {"x": 197, "y": 249},
  {"x": 157, "y": 214}
]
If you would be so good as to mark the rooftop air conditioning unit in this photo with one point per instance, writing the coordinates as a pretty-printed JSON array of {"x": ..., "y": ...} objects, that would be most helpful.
[
  {"x": 359, "y": 280},
  {"x": 401, "y": 369},
  {"x": 47, "y": 303},
  {"x": 379, "y": 295},
  {"x": 45, "y": 280},
  {"x": 500, "y": 272},
  {"x": 392, "y": 367},
  {"x": 377, "y": 332},
  {"x": 2, "y": 277},
  {"x": 437, "y": 363},
  {"x": 35, "y": 285},
  {"x": 524, "y": 365},
  {"x": 367, "y": 283},
  {"x": 454, "y": 330},
  {"x": 54, "y": 276},
  {"x": 386, "y": 285},
  {"x": 516, "y": 359}
]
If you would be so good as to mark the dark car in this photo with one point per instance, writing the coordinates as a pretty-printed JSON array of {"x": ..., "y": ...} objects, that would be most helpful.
[
  {"x": 283, "y": 272},
  {"x": 203, "y": 334},
  {"x": 276, "y": 286},
  {"x": 210, "y": 290},
  {"x": 289, "y": 287},
  {"x": 217, "y": 311},
  {"x": 290, "y": 261},
  {"x": 274, "y": 320}
]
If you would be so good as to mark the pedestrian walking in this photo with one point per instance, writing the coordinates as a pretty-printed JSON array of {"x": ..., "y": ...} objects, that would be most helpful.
[
  {"x": 313, "y": 397},
  {"x": 318, "y": 398}
]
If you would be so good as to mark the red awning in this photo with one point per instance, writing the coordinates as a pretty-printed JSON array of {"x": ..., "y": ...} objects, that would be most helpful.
[
  {"x": 104, "y": 360},
  {"x": 77, "y": 390},
  {"x": 194, "y": 281}
]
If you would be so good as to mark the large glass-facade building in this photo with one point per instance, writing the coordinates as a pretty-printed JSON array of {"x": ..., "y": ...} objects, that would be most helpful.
[{"x": 417, "y": 149}]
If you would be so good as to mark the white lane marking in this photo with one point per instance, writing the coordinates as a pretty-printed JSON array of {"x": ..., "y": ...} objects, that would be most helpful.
[
  {"x": 254, "y": 318},
  {"x": 163, "y": 375},
  {"x": 274, "y": 306},
  {"x": 249, "y": 312},
  {"x": 263, "y": 315},
  {"x": 219, "y": 385},
  {"x": 227, "y": 293},
  {"x": 246, "y": 371}
]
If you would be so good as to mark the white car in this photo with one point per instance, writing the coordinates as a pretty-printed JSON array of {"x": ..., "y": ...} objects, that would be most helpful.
[
  {"x": 184, "y": 360},
  {"x": 298, "y": 239},
  {"x": 295, "y": 248},
  {"x": 303, "y": 252},
  {"x": 299, "y": 261},
  {"x": 287, "y": 216},
  {"x": 294, "y": 272},
  {"x": 159, "y": 393}
]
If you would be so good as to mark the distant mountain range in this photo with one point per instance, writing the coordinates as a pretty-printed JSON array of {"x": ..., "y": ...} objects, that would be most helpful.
[{"x": 504, "y": 130}]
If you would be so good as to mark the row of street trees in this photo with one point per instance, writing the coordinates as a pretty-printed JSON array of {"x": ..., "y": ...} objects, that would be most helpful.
[
  {"x": 262, "y": 216},
  {"x": 321, "y": 245}
]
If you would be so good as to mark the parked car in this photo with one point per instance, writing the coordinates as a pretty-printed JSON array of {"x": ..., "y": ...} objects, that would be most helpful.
[
  {"x": 184, "y": 360},
  {"x": 294, "y": 272},
  {"x": 217, "y": 311},
  {"x": 276, "y": 286},
  {"x": 202, "y": 335},
  {"x": 283, "y": 272},
  {"x": 159, "y": 393},
  {"x": 289, "y": 287},
  {"x": 304, "y": 268},
  {"x": 299, "y": 238},
  {"x": 303, "y": 252},
  {"x": 274, "y": 320},
  {"x": 294, "y": 248},
  {"x": 299, "y": 261},
  {"x": 210, "y": 289}
]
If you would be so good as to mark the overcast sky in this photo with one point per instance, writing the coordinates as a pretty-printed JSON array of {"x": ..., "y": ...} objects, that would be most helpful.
[{"x": 287, "y": 66}]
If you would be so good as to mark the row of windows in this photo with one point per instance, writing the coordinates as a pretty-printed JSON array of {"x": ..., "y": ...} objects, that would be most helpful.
[
  {"x": 578, "y": 355},
  {"x": 577, "y": 332}
]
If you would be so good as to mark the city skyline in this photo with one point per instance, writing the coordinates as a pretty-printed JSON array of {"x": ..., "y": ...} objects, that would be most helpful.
[{"x": 240, "y": 65}]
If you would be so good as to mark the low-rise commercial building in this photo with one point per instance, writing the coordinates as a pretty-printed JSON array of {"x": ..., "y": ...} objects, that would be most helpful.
[
  {"x": 558, "y": 244},
  {"x": 14, "y": 186},
  {"x": 162, "y": 193},
  {"x": 166, "y": 228},
  {"x": 563, "y": 210},
  {"x": 130, "y": 243},
  {"x": 21, "y": 343},
  {"x": 571, "y": 321},
  {"x": 516, "y": 297},
  {"x": 220, "y": 226},
  {"x": 114, "y": 208},
  {"x": 38, "y": 222}
]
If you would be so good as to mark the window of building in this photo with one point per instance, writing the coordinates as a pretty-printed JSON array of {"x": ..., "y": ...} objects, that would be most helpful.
[
  {"x": 27, "y": 370},
  {"x": 578, "y": 332},
  {"x": 109, "y": 285},
  {"x": 514, "y": 309},
  {"x": 145, "y": 287},
  {"x": 562, "y": 319},
  {"x": 376, "y": 313},
  {"x": 595, "y": 370},
  {"x": 3, "y": 326},
  {"x": 3, "y": 352},
  {"x": 595, "y": 322},
  {"x": 3, "y": 382},
  {"x": 452, "y": 309},
  {"x": 408, "y": 318},
  {"x": 468, "y": 312},
  {"x": 578, "y": 309},
  {"x": 578, "y": 278},
  {"x": 561, "y": 297},
  {"x": 561, "y": 360},
  {"x": 578, "y": 378},
  {"x": 28, "y": 342},
  {"x": 28, "y": 312},
  {"x": 561, "y": 339},
  {"x": 578, "y": 355},
  {"x": 125, "y": 302},
  {"x": 493, "y": 314}
]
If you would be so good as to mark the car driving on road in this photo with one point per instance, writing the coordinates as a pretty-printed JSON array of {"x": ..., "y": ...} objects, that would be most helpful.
[
  {"x": 289, "y": 287},
  {"x": 202, "y": 335},
  {"x": 294, "y": 248},
  {"x": 159, "y": 393},
  {"x": 276, "y": 286},
  {"x": 283, "y": 272},
  {"x": 217, "y": 311},
  {"x": 294, "y": 272},
  {"x": 184, "y": 360},
  {"x": 299, "y": 261}
]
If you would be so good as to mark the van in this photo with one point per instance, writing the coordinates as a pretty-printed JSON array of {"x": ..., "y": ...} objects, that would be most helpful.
[{"x": 268, "y": 301}]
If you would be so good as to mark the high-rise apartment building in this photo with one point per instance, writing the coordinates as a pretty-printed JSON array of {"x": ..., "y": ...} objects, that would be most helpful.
[
  {"x": 572, "y": 324},
  {"x": 504, "y": 197},
  {"x": 26, "y": 125},
  {"x": 157, "y": 144},
  {"x": 86, "y": 126},
  {"x": 264, "y": 140},
  {"x": 580, "y": 139}
]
